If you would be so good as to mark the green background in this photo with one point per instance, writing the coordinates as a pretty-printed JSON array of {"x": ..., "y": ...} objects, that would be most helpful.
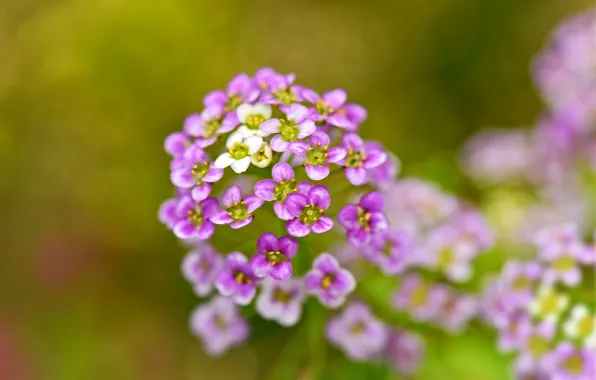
[{"x": 90, "y": 283}]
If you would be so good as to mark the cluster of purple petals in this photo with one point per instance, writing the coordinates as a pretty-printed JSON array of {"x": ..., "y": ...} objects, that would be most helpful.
[{"x": 533, "y": 306}]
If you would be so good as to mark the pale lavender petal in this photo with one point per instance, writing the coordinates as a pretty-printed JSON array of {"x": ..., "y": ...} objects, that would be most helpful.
[
  {"x": 176, "y": 143},
  {"x": 356, "y": 113},
  {"x": 241, "y": 223},
  {"x": 233, "y": 194},
  {"x": 306, "y": 128},
  {"x": 185, "y": 204},
  {"x": 344, "y": 282},
  {"x": 267, "y": 242},
  {"x": 282, "y": 271},
  {"x": 319, "y": 137},
  {"x": 252, "y": 203},
  {"x": 352, "y": 141},
  {"x": 325, "y": 263},
  {"x": 348, "y": 217},
  {"x": 356, "y": 176},
  {"x": 281, "y": 211},
  {"x": 572, "y": 277},
  {"x": 225, "y": 283},
  {"x": 215, "y": 98},
  {"x": 282, "y": 171},
  {"x": 324, "y": 224},
  {"x": 295, "y": 203},
  {"x": 288, "y": 246},
  {"x": 201, "y": 192},
  {"x": 213, "y": 175},
  {"x": 206, "y": 230},
  {"x": 373, "y": 201},
  {"x": 312, "y": 281},
  {"x": 203, "y": 143},
  {"x": 193, "y": 125},
  {"x": 296, "y": 228},
  {"x": 317, "y": 173},
  {"x": 167, "y": 212},
  {"x": 239, "y": 84},
  {"x": 244, "y": 294},
  {"x": 320, "y": 197},
  {"x": 182, "y": 178},
  {"x": 339, "y": 120},
  {"x": 308, "y": 95},
  {"x": 184, "y": 229},
  {"x": 375, "y": 158},
  {"x": 297, "y": 112},
  {"x": 377, "y": 222},
  {"x": 299, "y": 148},
  {"x": 358, "y": 237},
  {"x": 265, "y": 189},
  {"x": 278, "y": 144},
  {"x": 229, "y": 122},
  {"x": 260, "y": 265},
  {"x": 336, "y": 154},
  {"x": 270, "y": 126},
  {"x": 221, "y": 217},
  {"x": 335, "y": 98}
]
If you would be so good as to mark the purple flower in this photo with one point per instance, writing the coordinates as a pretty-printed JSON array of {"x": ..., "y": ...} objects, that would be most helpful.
[
  {"x": 219, "y": 325},
  {"x": 384, "y": 175},
  {"x": 332, "y": 108},
  {"x": 317, "y": 154},
  {"x": 519, "y": 279},
  {"x": 167, "y": 212},
  {"x": 273, "y": 256},
  {"x": 176, "y": 144},
  {"x": 513, "y": 330},
  {"x": 238, "y": 212},
  {"x": 199, "y": 268},
  {"x": 404, "y": 351},
  {"x": 241, "y": 89},
  {"x": 535, "y": 347},
  {"x": 422, "y": 300},
  {"x": 289, "y": 130},
  {"x": 391, "y": 250},
  {"x": 566, "y": 362},
  {"x": 564, "y": 264},
  {"x": 357, "y": 332},
  {"x": 197, "y": 173},
  {"x": 364, "y": 219},
  {"x": 236, "y": 279},
  {"x": 457, "y": 311},
  {"x": 281, "y": 301},
  {"x": 213, "y": 121},
  {"x": 328, "y": 281},
  {"x": 279, "y": 87},
  {"x": 360, "y": 158},
  {"x": 277, "y": 189},
  {"x": 552, "y": 240},
  {"x": 193, "y": 218},
  {"x": 308, "y": 212}
]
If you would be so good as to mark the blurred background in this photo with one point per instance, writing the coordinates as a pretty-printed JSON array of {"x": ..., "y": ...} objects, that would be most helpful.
[{"x": 89, "y": 280}]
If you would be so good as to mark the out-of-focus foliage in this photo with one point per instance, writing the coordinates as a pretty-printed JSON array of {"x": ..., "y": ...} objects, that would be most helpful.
[{"x": 90, "y": 283}]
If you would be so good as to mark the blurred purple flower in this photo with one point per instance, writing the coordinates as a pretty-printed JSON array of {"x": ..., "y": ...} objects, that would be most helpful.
[
  {"x": 238, "y": 212},
  {"x": 317, "y": 154},
  {"x": 193, "y": 219},
  {"x": 360, "y": 158},
  {"x": 237, "y": 279},
  {"x": 196, "y": 173},
  {"x": 364, "y": 219},
  {"x": 281, "y": 301},
  {"x": 328, "y": 281},
  {"x": 308, "y": 212},
  {"x": 295, "y": 126}
]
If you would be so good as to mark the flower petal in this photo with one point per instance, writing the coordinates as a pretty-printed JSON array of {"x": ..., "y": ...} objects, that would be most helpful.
[
  {"x": 213, "y": 175},
  {"x": 282, "y": 171},
  {"x": 267, "y": 242},
  {"x": 243, "y": 111},
  {"x": 320, "y": 197},
  {"x": 352, "y": 141},
  {"x": 372, "y": 201},
  {"x": 306, "y": 128},
  {"x": 281, "y": 211},
  {"x": 335, "y": 98},
  {"x": 325, "y": 263},
  {"x": 182, "y": 178},
  {"x": 322, "y": 225},
  {"x": 356, "y": 176},
  {"x": 201, "y": 192},
  {"x": 295, "y": 203},
  {"x": 260, "y": 265},
  {"x": 340, "y": 121},
  {"x": 241, "y": 165},
  {"x": 288, "y": 246},
  {"x": 252, "y": 203},
  {"x": 278, "y": 144},
  {"x": 209, "y": 206},
  {"x": 233, "y": 139},
  {"x": 176, "y": 143},
  {"x": 375, "y": 158},
  {"x": 317, "y": 173},
  {"x": 270, "y": 126},
  {"x": 336, "y": 154},
  {"x": 319, "y": 137},
  {"x": 282, "y": 271},
  {"x": 223, "y": 161},
  {"x": 299, "y": 148},
  {"x": 221, "y": 217},
  {"x": 242, "y": 223},
  {"x": 348, "y": 217},
  {"x": 206, "y": 230},
  {"x": 297, "y": 113},
  {"x": 233, "y": 194},
  {"x": 254, "y": 143},
  {"x": 265, "y": 189},
  {"x": 184, "y": 229},
  {"x": 296, "y": 228}
]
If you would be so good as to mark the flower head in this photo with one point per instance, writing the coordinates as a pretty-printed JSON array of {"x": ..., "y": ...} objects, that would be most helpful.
[
  {"x": 404, "y": 351},
  {"x": 281, "y": 301},
  {"x": 360, "y": 157},
  {"x": 581, "y": 326},
  {"x": 308, "y": 212},
  {"x": 365, "y": 219},
  {"x": 535, "y": 347},
  {"x": 208, "y": 125},
  {"x": 328, "y": 281},
  {"x": 357, "y": 332},
  {"x": 200, "y": 266},
  {"x": 193, "y": 219},
  {"x": 288, "y": 130},
  {"x": 241, "y": 89},
  {"x": 196, "y": 173},
  {"x": 273, "y": 256},
  {"x": 238, "y": 212},
  {"x": 419, "y": 298},
  {"x": 240, "y": 150},
  {"x": 251, "y": 116},
  {"x": 219, "y": 325},
  {"x": 237, "y": 279},
  {"x": 317, "y": 154},
  {"x": 570, "y": 363},
  {"x": 392, "y": 250},
  {"x": 548, "y": 304}
]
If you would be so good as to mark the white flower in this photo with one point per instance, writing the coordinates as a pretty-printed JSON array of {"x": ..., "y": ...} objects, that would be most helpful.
[
  {"x": 263, "y": 157},
  {"x": 548, "y": 305},
  {"x": 251, "y": 116},
  {"x": 239, "y": 151},
  {"x": 581, "y": 325}
]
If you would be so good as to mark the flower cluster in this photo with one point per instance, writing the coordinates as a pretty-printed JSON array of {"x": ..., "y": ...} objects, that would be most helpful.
[{"x": 542, "y": 312}]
